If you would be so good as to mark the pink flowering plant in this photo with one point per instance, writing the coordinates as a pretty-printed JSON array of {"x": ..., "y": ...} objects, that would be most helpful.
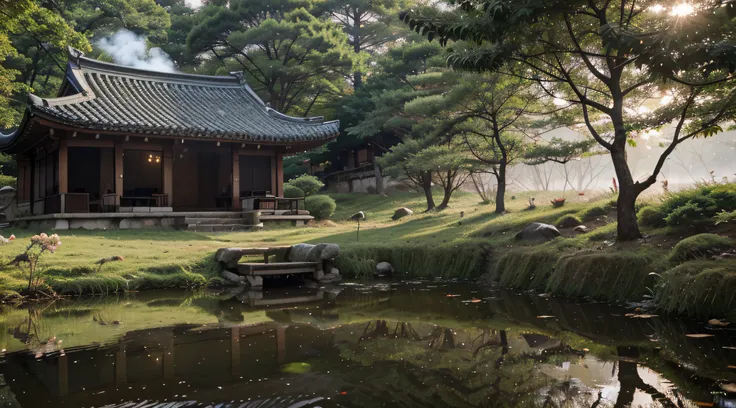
[{"x": 28, "y": 261}]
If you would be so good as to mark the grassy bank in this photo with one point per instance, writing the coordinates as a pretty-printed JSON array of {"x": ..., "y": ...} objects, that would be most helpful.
[{"x": 464, "y": 241}]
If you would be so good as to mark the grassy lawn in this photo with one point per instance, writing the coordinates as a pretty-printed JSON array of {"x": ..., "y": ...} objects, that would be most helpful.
[{"x": 166, "y": 258}]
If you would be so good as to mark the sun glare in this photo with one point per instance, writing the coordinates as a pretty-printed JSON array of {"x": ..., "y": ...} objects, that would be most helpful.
[
  {"x": 682, "y": 10},
  {"x": 657, "y": 8}
]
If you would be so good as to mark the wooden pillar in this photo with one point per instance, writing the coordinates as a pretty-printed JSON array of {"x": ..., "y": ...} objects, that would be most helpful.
[
  {"x": 236, "y": 177},
  {"x": 168, "y": 163},
  {"x": 63, "y": 166},
  {"x": 119, "y": 168},
  {"x": 279, "y": 175},
  {"x": 235, "y": 351}
]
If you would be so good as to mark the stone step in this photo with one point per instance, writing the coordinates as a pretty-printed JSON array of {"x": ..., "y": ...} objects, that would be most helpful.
[
  {"x": 223, "y": 227},
  {"x": 218, "y": 220}
]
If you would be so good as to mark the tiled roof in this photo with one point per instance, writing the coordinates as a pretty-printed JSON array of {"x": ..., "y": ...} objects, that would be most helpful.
[{"x": 115, "y": 98}]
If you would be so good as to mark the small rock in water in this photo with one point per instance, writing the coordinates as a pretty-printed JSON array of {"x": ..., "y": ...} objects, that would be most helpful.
[
  {"x": 581, "y": 229},
  {"x": 384, "y": 269}
]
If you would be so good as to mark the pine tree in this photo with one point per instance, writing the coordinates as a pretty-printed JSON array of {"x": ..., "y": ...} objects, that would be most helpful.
[{"x": 610, "y": 60}]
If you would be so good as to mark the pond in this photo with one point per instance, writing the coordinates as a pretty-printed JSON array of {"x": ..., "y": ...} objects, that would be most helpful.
[{"x": 363, "y": 345}]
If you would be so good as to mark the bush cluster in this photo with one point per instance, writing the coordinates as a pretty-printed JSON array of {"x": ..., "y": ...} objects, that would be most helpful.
[
  {"x": 310, "y": 185},
  {"x": 320, "y": 207},
  {"x": 700, "y": 204}
]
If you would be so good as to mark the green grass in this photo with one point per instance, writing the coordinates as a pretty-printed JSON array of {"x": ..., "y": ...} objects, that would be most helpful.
[
  {"x": 424, "y": 244},
  {"x": 699, "y": 288},
  {"x": 601, "y": 275},
  {"x": 700, "y": 246}
]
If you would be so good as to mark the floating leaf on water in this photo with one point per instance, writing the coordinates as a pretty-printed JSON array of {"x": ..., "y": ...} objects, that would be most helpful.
[
  {"x": 296, "y": 368},
  {"x": 729, "y": 387},
  {"x": 643, "y": 316},
  {"x": 545, "y": 317},
  {"x": 729, "y": 348},
  {"x": 451, "y": 295},
  {"x": 703, "y": 404},
  {"x": 630, "y": 315},
  {"x": 545, "y": 295},
  {"x": 716, "y": 322},
  {"x": 475, "y": 301},
  {"x": 732, "y": 367},
  {"x": 698, "y": 335}
]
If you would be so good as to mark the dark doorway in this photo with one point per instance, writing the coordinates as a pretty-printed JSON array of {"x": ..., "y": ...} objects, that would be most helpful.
[
  {"x": 142, "y": 173},
  {"x": 84, "y": 171},
  {"x": 255, "y": 175}
]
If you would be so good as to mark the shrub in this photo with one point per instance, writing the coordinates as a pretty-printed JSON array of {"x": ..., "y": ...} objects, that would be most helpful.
[
  {"x": 310, "y": 185},
  {"x": 651, "y": 217},
  {"x": 568, "y": 221},
  {"x": 7, "y": 181},
  {"x": 724, "y": 217},
  {"x": 293, "y": 192},
  {"x": 594, "y": 212},
  {"x": 699, "y": 204},
  {"x": 320, "y": 206},
  {"x": 700, "y": 246}
]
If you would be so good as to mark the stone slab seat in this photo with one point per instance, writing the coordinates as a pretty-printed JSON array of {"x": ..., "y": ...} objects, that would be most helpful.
[
  {"x": 231, "y": 256},
  {"x": 277, "y": 268}
]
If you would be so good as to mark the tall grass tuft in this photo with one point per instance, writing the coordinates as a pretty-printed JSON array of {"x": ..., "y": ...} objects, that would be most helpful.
[
  {"x": 609, "y": 276},
  {"x": 415, "y": 261},
  {"x": 699, "y": 288},
  {"x": 526, "y": 269}
]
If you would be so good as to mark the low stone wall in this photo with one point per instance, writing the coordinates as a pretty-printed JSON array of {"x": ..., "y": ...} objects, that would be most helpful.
[{"x": 118, "y": 221}]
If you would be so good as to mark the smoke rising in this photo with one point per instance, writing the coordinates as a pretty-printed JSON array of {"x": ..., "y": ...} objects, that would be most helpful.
[{"x": 131, "y": 50}]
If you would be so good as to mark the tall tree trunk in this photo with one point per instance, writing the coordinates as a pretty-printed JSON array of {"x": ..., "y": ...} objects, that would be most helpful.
[
  {"x": 379, "y": 177},
  {"x": 357, "y": 75},
  {"x": 628, "y": 192},
  {"x": 501, "y": 189},
  {"x": 445, "y": 198},
  {"x": 427, "y": 187}
]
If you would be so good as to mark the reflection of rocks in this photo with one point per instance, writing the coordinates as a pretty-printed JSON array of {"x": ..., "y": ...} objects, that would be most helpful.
[
  {"x": 7, "y": 398},
  {"x": 540, "y": 341}
]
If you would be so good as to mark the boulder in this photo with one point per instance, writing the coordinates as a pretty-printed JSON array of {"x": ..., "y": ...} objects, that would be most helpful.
[
  {"x": 401, "y": 213},
  {"x": 538, "y": 232},
  {"x": 384, "y": 269},
  {"x": 582, "y": 229},
  {"x": 313, "y": 253},
  {"x": 231, "y": 277},
  {"x": 333, "y": 276},
  {"x": 568, "y": 222}
]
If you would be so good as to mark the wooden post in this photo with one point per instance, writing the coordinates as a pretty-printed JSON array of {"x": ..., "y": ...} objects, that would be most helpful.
[
  {"x": 168, "y": 163},
  {"x": 279, "y": 175},
  {"x": 63, "y": 166},
  {"x": 236, "y": 177},
  {"x": 119, "y": 169}
]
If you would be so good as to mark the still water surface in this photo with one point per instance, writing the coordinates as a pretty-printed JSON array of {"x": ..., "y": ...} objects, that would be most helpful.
[{"x": 354, "y": 345}]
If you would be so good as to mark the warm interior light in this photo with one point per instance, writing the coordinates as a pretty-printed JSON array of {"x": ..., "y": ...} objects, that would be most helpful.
[{"x": 682, "y": 10}]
